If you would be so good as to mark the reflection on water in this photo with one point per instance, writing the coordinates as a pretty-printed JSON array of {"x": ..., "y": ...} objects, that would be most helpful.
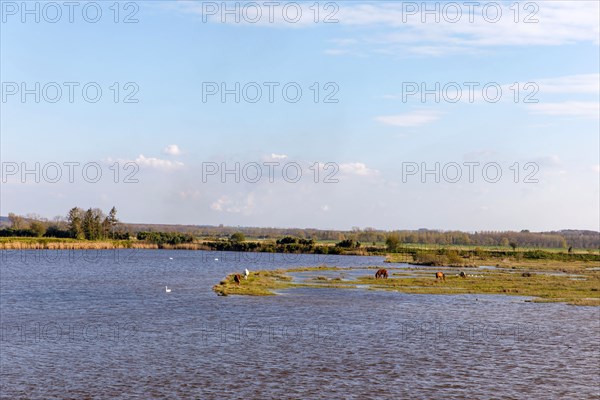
[{"x": 100, "y": 325}]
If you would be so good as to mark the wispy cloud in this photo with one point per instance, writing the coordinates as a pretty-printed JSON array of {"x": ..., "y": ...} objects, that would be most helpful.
[
  {"x": 358, "y": 168},
  {"x": 152, "y": 162},
  {"x": 584, "y": 83},
  {"x": 412, "y": 119},
  {"x": 172, "y": 150},
  {"x": 558, "y": 23},
  {"x": 225, "y": 203},
  {"x": 552, "y": 161},
  {"x": 586, "y": 109}
]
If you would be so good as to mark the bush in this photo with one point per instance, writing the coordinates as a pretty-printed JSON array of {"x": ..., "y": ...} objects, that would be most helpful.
[
  {"x": 237, "y": 237},
  {"x": 453, "y": 258},
  {"x": 287, "y": 240},
  {"x": 171, "y": 238},
  {"x": 348, "y": 244}
]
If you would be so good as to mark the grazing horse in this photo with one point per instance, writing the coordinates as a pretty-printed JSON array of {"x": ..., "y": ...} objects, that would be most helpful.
[
  {"x": 237, "y": 278},
  {"x": 381, "y": 273},
  {"x": 440, "y": 275},
  {"x": 462, "y": 274},
  {"x": 246, "y": 273}
]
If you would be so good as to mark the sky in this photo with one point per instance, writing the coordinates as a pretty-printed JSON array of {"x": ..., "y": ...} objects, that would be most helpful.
[{"x": 393, "y": 115}]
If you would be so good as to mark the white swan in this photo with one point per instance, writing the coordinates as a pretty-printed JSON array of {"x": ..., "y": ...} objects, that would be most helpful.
[
  {"x": 167, "y": 289},
  {"x": 216, "y": 259},
  {"x": 170, "y": 258},
  {"x": 246, "y": 273}
]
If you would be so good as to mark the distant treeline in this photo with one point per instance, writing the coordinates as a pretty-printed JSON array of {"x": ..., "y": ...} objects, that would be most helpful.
[
  {"x": 368, "y": 236},
  {"x": 93, "y": 224},
  {"x": 449, "y": 256},
  {"x": 287, "y": 244}
]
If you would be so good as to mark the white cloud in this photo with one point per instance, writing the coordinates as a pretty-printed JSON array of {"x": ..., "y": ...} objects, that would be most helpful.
[
  {"x": 291, "y": 15},
  {"x": 337, "y": 52},
  {"x": 158, "y": 163},
  {"x": 278, "y": 156},
  {"x": 227, "y": 204},
  {"x": 412, "y": 119},
  {"x": 490, "y": 92},
  {"x": 172, "y": 150},
  {"x": 586, "y": 109},
  {"x": 359, "y": 169},
  {"x": 190, "y": 194},
  {"x": 402, "y": 32},
  {"x": 584, "y": 83}
]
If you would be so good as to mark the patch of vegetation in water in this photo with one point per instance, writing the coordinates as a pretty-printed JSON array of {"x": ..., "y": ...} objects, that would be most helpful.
[
  {"x": 543, "y": 287},
  {"x": 259, "y": 283}
]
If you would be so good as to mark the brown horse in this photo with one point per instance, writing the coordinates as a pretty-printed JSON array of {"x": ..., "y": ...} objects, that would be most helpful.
[
  {"x": 381, "y": 273},
  {"x": 440, "y": 275},
  {"x": 237, "y": 278}
]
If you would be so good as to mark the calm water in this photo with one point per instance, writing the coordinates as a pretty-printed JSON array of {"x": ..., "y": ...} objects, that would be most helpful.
[{"x": 86, "y": 324}]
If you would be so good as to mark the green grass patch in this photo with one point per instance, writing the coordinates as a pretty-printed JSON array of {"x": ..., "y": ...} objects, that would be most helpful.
[{"x": 259, "y": 283}]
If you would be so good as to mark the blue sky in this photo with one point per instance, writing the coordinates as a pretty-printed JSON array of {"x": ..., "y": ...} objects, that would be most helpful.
[{"x": 369, "y": 57}]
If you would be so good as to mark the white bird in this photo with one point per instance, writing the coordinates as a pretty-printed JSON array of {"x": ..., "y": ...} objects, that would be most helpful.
[
  {"x": 246, "y": 273},
  {"x": 167, "y": 289},
  {"x": 216, "y": 259},
  {"x": 170, "y": 258}
]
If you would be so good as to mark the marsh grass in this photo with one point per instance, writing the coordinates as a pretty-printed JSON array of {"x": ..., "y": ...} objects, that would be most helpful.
[
  {"x": 259, "y": 283},
  {"x": 582, "y": 289},
  {"x": 67, "y": 244},
  {"x": 29, "y": 243}
]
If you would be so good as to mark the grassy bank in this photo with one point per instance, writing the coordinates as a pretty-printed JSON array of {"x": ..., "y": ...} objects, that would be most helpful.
[
  {"x": 259, "y": 283},
  {"x": 576, "y": 290}
]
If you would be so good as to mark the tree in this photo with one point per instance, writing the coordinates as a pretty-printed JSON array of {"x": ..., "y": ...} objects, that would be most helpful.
[
  {"x": 92, "y": 224},
  {"x": 16, "y": 221},
  {"x": 87, "y": 224},
  {"x": 392, "y": 241},
  {"x": 111, "y": 221},
  {"x": 75, "y": 221},
  {"x": 38, "y": 228},
  {"x": 237, "y": 237},
  {"x": 513, "y": 245}
]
